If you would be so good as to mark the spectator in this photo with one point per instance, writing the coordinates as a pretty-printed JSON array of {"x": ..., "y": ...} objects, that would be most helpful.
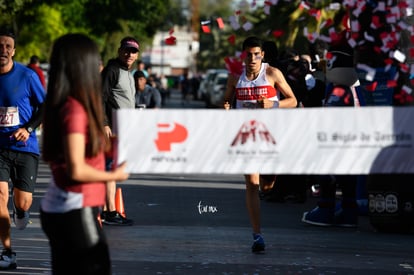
[
  {"x": 34, "y": 64},
  {"x": 118, "y": 92},
  {"x": 146, "y": 95},
  {"x": 271, "y": 53},
  {"x": 342, "y": 79},
  {"x": 185, "y": 87}
]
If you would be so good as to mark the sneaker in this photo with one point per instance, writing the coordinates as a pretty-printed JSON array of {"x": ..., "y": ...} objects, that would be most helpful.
[
  {"x": 321, "y": 216},
  {"x": 346, "y": 217},
  {"x": 20, "y": 218},
  {"x": 258, "y": 244},
  {"x": 103, "y": 215},
  {"x": 114, "y": 218},
  {"x": 8, "y": 259}
]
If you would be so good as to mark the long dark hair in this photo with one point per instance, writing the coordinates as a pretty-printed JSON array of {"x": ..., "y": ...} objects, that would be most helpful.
[{"x": 74, "y": 71}]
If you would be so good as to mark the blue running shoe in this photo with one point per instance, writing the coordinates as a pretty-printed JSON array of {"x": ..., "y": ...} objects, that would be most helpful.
[
  {"x": 258, "y": 244},
  {"x": 320, "y": 216},
  {"x": 7, "y": 259}
]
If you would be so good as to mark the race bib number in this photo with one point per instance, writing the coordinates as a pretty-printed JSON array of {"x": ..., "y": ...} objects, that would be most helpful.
[{"x": 9, "y": 116}]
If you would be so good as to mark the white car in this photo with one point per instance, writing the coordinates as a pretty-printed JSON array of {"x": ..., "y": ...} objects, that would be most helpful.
[
  {"x": 211, "y": 86},
  {"x": 202, "y": 90},
  {"x": 217, "y": 90}
]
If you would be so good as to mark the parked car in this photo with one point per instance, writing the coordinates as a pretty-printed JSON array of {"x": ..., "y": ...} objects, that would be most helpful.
[
  {"x": 202, "y": 90},
  {"x": 210, "y": 85},
  {"x": 206, "y": 81},
  {"x": 217, "y": 89}
]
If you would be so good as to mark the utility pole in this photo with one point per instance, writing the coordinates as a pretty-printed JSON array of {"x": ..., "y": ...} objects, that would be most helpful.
[{"x": 195, "y": 17}]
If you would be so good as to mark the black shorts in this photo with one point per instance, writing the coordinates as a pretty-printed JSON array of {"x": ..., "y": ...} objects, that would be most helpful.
[{"x": 19, "y": 167}]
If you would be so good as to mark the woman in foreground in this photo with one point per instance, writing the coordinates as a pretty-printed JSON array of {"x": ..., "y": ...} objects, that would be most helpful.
[{"x": 74, "y": 146}]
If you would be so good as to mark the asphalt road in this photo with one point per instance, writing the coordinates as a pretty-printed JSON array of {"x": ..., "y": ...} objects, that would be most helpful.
[{"x": 197, "y": 224}]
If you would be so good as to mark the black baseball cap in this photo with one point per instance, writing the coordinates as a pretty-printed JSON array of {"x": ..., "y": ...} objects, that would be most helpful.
[
  {"x": 139, "y": 74},
  {"x": 129, "y": 42}
]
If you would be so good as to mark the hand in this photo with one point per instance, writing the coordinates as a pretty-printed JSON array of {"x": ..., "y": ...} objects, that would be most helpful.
[
  {"x": 264, "y": 103},
  {"x": 21, "y": 134},
  {"x": 108, "y": 131},
  {"x": 119, "y": 172}
]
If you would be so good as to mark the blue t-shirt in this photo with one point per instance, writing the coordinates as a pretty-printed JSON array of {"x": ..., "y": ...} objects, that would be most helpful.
[{"x": 21, "y": 93}]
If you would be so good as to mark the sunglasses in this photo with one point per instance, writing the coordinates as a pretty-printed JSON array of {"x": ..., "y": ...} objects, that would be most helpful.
[{"x": 130, "y": 50}]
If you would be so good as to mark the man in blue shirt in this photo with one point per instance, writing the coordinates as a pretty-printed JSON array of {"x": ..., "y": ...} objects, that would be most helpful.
[
  {"x": 21, "y": 100},
  {"x": 146, "y": 96}
]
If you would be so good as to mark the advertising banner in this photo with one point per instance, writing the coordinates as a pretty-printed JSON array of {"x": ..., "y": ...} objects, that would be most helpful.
[{"x": 275, "y": 141}]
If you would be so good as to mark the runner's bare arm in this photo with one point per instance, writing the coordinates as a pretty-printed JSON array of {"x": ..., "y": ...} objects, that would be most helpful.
[{"x": 230, "y": 88}]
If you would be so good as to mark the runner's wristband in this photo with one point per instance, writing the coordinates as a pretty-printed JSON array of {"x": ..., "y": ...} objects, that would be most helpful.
[{"x": 275, "y": 104}]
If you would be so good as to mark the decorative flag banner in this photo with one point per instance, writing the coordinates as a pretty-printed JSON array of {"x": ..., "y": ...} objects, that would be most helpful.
[
  {"x": 304, "y": 5},
  {"x": 326, "y": 23},
  {"x": 234, "y": 65},
  {"x": 266, "y": 10},
  {"x": 234, "y": 22},
  {"x": 206, "y": 28},
  {"x": 392, "y": 83},
  {"x": 220, "y": 23},
  {"x": 232, "y": 39},
  {"x": 247, "y": 26},
  {"x": 367, "y": 140},
  {"x": 404, "y": 67},
  {"x": 371, "y": 87},
  {"x": 315, "y": 13},
  {"x": 277, "y": 33},
  {"x": 335, "y": 6},
  {"x": 370, "y": 71},
  {"x": 407, "y": 89},
  {"x": 171, "y": 40}
]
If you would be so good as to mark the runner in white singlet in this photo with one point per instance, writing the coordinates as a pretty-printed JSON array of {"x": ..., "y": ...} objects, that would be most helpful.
[{"x": 257, "y": 87}]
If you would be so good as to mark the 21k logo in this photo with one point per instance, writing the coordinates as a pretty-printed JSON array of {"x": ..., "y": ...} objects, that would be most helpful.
[{"x": 169, "y": 133}]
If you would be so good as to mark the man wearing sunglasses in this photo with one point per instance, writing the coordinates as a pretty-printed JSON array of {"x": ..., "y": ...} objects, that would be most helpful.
[{"x": 118, "y": 92}]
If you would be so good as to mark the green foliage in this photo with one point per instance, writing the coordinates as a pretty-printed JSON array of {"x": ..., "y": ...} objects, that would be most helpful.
[
  {"x": 38, "y": 23},
  {"x": 214, "y": 46},
  {"x": 39, "y": 32},
  {"x": 8, "y": 7},
  {"x": 214, "y": 8}
]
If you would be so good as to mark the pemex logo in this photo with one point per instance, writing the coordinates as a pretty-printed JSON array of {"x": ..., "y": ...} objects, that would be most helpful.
[
  {"x": 253, "y": 132},
  {"x": 169, "y": 133}
]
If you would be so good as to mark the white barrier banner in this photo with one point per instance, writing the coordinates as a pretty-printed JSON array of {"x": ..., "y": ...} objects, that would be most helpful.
[{"x": 275, "y": 141}]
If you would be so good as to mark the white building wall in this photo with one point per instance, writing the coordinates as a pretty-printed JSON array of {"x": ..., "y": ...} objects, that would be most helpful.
[{"x": 165, "y": 59}]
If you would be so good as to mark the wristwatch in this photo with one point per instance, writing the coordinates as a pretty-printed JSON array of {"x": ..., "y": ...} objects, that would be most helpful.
[{"x": 29, "y": 129}]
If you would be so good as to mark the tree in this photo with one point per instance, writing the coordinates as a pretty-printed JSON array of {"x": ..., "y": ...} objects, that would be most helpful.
[
  {"x": 213, "y": 46},
  {"x": 37, "y": 23}
]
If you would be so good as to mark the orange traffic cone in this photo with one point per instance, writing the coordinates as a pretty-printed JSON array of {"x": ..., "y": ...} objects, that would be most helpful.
[{"x": 119, "y": 202}]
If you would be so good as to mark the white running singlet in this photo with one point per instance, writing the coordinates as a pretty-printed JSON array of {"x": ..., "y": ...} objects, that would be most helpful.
[{"x": 249, "y": 91}]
